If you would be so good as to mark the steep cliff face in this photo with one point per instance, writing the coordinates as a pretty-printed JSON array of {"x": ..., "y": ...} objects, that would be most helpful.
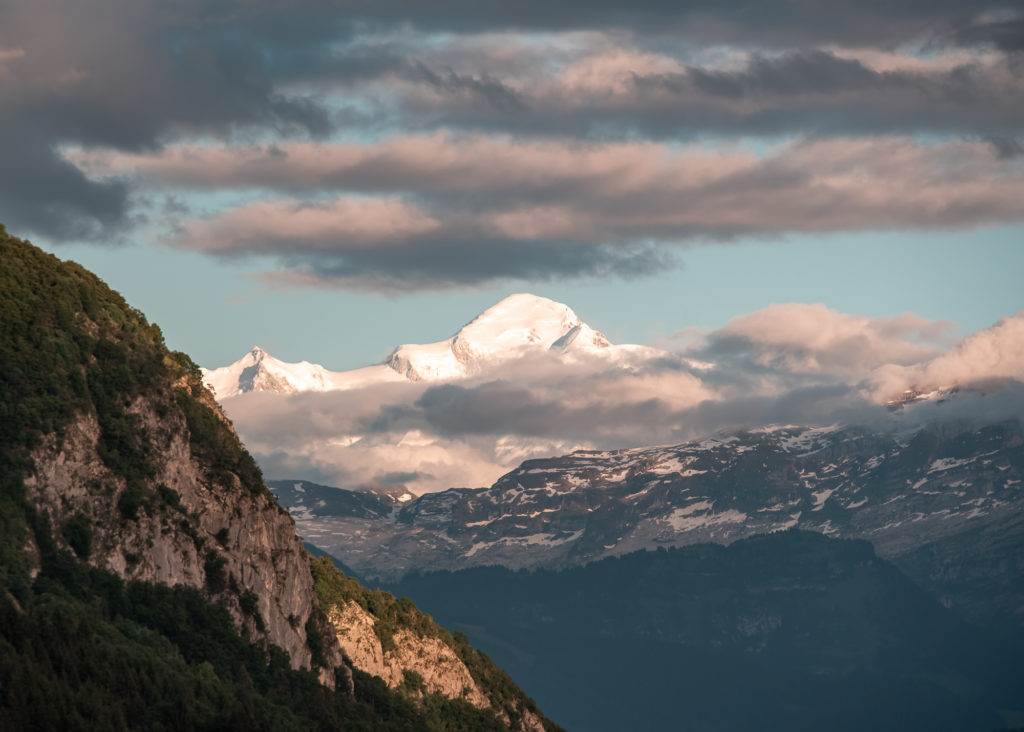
[
  {"x": 439, "y": 669},
  {"x": 195, "y": 531},
  {"x": 391, "y": 639},
  {"x": 116, "y": 446}
]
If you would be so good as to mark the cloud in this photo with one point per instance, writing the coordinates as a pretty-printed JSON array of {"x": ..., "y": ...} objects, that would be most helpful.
[
  {"x": 206, "y": 72},
  {"x": 985, "y": 360},
  {"x": 495, "y": 93},
  {"x": 800, "y": 339},
  {"x": 439, "y": 211},
  {"x": 1002, "y": 30},
  {"x": 785, "y": 364},
  {"x": 297, "y": 227},
  {"x": 771, "y": 22},
  {"x": 614, "y": 86},
  {"x": 78, "y": 78},
  {"x": 990, "y": 354},
  {"x": 822, "y": 92}
]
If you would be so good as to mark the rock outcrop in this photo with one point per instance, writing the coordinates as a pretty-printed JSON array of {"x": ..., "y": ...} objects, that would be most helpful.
[
  {"x": 197, "y": 531},
  {"x": 392, "y": 639},
  {"x": 439, "y": 669}
]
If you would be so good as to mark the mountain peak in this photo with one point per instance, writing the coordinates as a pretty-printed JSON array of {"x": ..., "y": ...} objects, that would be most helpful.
[
  {"x": 257, "y": 370},
  {"x": 516, "y": 325},
  {"x": 520, "y": 319},
  {"x": 523, "y": 305}
]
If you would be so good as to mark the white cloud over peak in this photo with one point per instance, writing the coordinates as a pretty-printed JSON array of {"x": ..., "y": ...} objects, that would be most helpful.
[{"x": 787, "y": 363}]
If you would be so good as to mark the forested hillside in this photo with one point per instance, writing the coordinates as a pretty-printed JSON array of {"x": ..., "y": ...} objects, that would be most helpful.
[{"x": 148, "y": 579}]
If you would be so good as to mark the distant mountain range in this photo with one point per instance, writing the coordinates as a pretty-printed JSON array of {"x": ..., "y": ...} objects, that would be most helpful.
[
  {"x": 943, "y": 502},
  {"x": 632, "y": 602},
  {"x": 519, "y": 326},
  {"x": 722, "y": 583}
]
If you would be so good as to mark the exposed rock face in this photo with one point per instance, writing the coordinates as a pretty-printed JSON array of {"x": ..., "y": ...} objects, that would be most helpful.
[
  {"x": 442, "y": 671},
  {"x": 239, "y": 545},
  {"x": 392, "y": 639}
]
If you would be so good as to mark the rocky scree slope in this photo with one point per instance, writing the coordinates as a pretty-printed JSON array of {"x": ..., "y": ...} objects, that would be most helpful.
[{"x": 129, "y": 508}]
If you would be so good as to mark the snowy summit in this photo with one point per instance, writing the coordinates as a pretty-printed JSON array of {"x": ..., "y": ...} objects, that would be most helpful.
[{"x": 518, "y": 327}]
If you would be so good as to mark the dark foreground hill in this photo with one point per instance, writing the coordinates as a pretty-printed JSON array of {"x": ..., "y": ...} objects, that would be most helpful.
[
  {"x": 789, "y": 631},
  {"x": 148, "y": 578}
]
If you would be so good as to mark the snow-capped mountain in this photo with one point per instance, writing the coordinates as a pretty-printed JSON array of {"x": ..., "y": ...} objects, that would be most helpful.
[
  {"x": 519, "y": 326},
  {"x": 947, "y": 505},
  {"x": 259, "y": 371}
]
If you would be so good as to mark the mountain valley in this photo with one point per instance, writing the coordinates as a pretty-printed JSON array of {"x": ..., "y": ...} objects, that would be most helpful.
[{"x": 788, "y": 631}]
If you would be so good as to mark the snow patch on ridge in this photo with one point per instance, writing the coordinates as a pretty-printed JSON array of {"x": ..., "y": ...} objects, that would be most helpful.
[{"x": 546, "y": 540}]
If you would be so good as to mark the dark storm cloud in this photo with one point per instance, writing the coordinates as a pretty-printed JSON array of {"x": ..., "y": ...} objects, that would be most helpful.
[
  {"x": 810, "y": 91},
  {"x": 41, "y": 192},
  {"x": 431, "y": 264},
  {"x": 400, "y": 477},
  {"x": 511, "y": 408},
  {"x": 136, "y": 75},
  {"x": 491, "y": 408},
  {"x": 122, "y": 75},
  {"x": 1006, "y": 34},
  {"x": 1006, "y": 147},
  {"x": 495, "y": 93},
  {"x": 814, "y": 72},
  {"x": 820, "y": 92},
  {"x": 772, "y": 22}
]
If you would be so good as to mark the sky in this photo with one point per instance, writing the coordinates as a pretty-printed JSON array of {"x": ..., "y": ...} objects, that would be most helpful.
[
  {"x": 329, "y": 181},
  {"x": 804, "y": 209}
]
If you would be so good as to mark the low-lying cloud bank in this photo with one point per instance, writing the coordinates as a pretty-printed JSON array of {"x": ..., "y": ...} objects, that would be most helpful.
[{"x": 786, "y": 364}]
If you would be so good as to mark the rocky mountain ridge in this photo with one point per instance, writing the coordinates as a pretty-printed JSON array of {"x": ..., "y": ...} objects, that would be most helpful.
[
  {"x": 944, "y": 500},
  {"x": 391, "y": 639},
  {"x": 114, "y": 441}
]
